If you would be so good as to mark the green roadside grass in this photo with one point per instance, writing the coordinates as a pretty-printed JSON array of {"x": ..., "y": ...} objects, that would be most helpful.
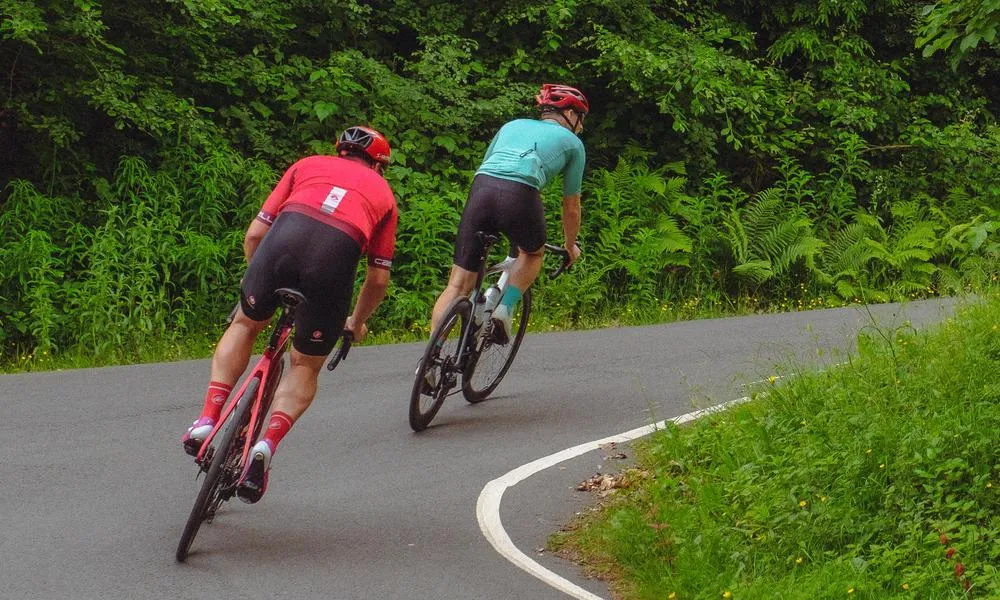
[{"x": 877, "y": 478}]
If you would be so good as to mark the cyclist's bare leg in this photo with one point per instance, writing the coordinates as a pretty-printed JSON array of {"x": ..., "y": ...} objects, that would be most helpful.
[
  {"x": 526, "y": 268},
  {"x": 228, "y": 363},
  {"x": 298, "y": 385},
  {"x": 460, "y": 283},
  {"x": 294, "y": 395},
  {"x": 524, "y": 272},
  {"x": 233, "y": 352}
]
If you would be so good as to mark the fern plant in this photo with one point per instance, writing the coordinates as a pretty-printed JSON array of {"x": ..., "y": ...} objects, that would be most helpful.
[
  {"x": 969, "y": 255},
  {"x": 845, "y": 260},
  {"x": 766, "y": 238},
  {"x": 868, "y": 261},
  {"x": 631, "y": 233}
]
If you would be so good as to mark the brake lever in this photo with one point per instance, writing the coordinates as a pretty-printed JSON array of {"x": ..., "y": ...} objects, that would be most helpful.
[
  {"x": 565, "y": 254},
  {"x": 346, "y": 338}
]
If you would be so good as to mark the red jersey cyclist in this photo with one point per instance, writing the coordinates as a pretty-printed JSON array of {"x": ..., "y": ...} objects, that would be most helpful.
[
  {"x": 324, "y": 214},
  {"x": 505, "y": 197}
]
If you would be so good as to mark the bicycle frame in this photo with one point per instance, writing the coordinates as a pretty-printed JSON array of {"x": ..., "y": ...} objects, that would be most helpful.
[
  {"x": 477, "y": 297},
  {"x": 466, "y": 343},
  {"x": 262, "y": 369},
  {"x": 470, "y": 333}
]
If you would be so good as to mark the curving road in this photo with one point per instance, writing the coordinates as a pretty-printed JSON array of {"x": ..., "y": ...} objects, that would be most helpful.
[{"x": 95, "y": 487}]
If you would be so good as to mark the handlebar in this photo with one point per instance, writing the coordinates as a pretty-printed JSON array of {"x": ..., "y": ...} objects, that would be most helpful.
[
  {"x": 345, "y": 341},
  {"x": 564, "y": 253},
  {"x": 232, "y": 315}
]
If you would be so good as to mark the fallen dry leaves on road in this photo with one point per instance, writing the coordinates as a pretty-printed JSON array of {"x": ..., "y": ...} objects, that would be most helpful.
[{"x": 605, "y": 484}]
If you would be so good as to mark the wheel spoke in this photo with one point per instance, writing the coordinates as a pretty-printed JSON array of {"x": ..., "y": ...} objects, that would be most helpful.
[
  {"x": 225, "y": 456},
  {"x": 437, "y": 373},
  {"x": 492, "y": 359}
]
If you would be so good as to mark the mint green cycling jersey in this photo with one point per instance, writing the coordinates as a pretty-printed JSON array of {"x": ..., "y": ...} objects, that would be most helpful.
[{"x": 532, "y": 151}]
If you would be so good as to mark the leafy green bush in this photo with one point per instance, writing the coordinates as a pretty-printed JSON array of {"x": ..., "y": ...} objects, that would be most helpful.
[{"x": 740, "y": 157}]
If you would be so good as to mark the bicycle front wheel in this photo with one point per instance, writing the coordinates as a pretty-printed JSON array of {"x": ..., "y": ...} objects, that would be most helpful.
[
  {"x": 438, "y": 369},
  {"x": 490, "y": 362},
  {"x": 223, "y": 471}
]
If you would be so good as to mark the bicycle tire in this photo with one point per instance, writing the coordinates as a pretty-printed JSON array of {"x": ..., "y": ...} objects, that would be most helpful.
[
  {"x": 423, "y": 407},
  {"x": 490, "y": 362},
  {"x": 225, "y": 453}
]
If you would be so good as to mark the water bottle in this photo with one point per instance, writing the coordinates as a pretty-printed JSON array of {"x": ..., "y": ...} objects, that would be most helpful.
[{"x": 492, "y": 299}]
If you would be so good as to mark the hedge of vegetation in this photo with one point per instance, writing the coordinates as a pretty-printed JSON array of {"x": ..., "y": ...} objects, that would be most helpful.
[{"x": 740, "y": 154}]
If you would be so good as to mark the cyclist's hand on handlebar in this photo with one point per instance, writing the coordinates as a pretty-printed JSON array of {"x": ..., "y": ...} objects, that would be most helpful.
[
  {"x": 358, "y": 330},
  {"x": 574, "y": 253}
]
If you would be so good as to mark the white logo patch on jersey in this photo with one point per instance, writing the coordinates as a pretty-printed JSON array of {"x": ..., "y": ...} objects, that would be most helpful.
[{"x": 333, "y": 200}]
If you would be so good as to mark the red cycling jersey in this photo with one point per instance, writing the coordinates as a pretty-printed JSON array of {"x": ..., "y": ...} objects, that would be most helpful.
[{"x": 345, "y": 194}]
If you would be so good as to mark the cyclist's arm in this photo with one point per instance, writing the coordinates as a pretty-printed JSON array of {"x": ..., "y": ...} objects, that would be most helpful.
[
  {"x": 371, "y": 295},
  {"x": 571, "y": 216},
  {"x": 572, "y": 184},
  {"x": 381, "y": 248},
  {"x": 255, "y": 233},
  {"x": 268, "y": 212}
]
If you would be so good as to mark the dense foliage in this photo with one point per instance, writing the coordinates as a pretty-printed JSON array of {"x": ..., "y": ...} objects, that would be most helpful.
[
  {"x": 968, "y": 22},
  {"x": 874, "y": 479},
  {"x": 739, "y": 153}
]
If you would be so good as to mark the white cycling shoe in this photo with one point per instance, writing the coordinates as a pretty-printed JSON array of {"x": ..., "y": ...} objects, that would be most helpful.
[
  {"x": 501, "y": 319},
  {"x": 196, "y": 434},
  {"x": 253, "y": 483}
]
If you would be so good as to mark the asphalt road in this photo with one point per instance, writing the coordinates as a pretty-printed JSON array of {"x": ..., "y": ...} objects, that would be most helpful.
[{"x": 96, "y": 489}]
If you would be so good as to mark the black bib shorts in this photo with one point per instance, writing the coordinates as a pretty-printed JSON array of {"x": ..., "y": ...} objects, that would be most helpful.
[
  {"x": 499, "y": 206},
  {"x": 314, "y": 258}
]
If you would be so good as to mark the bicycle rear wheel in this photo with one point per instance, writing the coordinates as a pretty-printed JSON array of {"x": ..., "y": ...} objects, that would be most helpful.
[
  {"x": 223, "y": 471},
  {"x": 438, "y": 369},
  {"x": 488, "y": 365}
]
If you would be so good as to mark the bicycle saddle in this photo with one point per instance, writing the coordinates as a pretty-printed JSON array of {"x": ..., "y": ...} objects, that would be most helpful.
[
  {"x": 488, "y": 239},
  {"x": 290, "y": 297}
]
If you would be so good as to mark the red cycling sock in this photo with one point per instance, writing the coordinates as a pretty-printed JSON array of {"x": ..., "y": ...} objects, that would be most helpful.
[
  {"x": 277, "y": 427},
  {"x": 215, "y": 398}
]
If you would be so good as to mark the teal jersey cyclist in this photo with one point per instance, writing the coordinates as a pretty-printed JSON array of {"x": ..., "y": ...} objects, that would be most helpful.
[
  {"x": 534, "y": 151},
  {"x": 524, "y": 156}
]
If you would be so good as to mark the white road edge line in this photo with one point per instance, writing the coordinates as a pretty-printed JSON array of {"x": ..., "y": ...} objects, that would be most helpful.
[{"x": 488, "y": 505}]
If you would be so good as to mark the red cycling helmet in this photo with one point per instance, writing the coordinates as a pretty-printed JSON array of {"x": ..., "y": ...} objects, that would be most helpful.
[
  {"x": 562, "y": 96},
  {"x": 367, "y": 140}
]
